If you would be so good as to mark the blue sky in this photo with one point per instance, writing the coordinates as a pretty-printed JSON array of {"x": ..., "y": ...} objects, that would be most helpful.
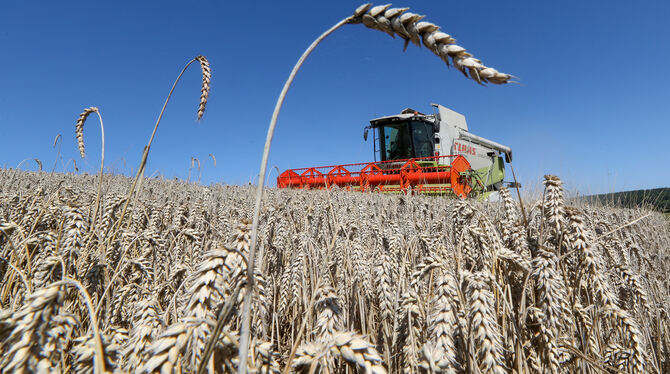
[{"x": 592, "y": 106}]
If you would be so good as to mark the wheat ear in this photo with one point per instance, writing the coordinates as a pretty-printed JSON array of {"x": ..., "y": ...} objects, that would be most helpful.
[
  {"x": 163, "y": 354},
  {"x": 553, "y": 207},
  {"x": 410, "y": 27},
  {"x": 550, "y": 295},
  {"x": 145, "y": 325},
  {"x": 79, "y": 128},
  {"x": 28, "y": 326},
  {"x": 351, "y": 347},
  {"x": 441, "y": 322},
  {"x": 206, "y": 79},
  {"x": 484, "y": 330},
  {"x": 631, "y": 331},
  {"x": 207, "y": 289}
]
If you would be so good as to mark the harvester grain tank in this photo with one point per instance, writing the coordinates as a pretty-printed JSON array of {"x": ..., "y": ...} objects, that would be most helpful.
[{"x": 416, "y": 153}]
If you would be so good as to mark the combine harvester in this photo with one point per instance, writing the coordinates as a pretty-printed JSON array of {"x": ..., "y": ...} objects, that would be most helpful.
[{"x": 428, "y": 154}]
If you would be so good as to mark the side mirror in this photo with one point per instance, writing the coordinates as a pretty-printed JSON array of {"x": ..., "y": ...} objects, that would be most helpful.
[{"x": 365, "y": 134}]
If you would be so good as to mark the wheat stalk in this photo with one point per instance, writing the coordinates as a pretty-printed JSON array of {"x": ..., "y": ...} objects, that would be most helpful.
[
  {"x": 59, "y": 149},
  {"x": 460, "y": 58},
  {"x": 99, "y": 364},
  {"x": 79, "y": 131},
  {"x": 206, "y": 77},
  {"x": 225, "y": 314}
]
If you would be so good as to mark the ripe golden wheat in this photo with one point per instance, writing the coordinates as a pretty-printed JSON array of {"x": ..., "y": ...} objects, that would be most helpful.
[
  {"x": 79, "y": 129},
  {"x": 368, "y": 282}
]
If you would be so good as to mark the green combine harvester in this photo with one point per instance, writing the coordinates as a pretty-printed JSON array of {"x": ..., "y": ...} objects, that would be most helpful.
[{"x": 418, "y": 153}]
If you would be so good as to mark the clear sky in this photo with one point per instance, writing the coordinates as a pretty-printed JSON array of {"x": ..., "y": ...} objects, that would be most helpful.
[{"x": 592, "y": 107}]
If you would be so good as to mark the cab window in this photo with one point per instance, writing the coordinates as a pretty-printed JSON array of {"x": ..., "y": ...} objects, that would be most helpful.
[
  {"x": 422, "y": 136},
  {"x": 402, "y": 140},
  {"x": 397, "y": 142}
]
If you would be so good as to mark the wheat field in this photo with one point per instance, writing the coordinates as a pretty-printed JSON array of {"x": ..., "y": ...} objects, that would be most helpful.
[{"x": 344, "y": 282}]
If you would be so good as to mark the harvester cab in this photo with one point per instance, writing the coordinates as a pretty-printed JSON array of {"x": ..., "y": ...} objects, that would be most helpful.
[{"x": 416, "y": 153}]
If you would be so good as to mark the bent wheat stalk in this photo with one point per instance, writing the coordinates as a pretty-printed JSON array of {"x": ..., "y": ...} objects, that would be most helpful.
[
  {"x": 59, "y": 148},
  {"x": 79, "y": 131},
  {"x": 99, "y": 351},
  {"x": 17, "y": 171},
  {"x": 390, "y": 21},
  {"x": 206, "y": 79},
  {"x": 74, "y": 162},
  {"x": 246, "y": 308},
  {"x": 37, "y": 161},
  {"x": 23, "y": 277}
]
